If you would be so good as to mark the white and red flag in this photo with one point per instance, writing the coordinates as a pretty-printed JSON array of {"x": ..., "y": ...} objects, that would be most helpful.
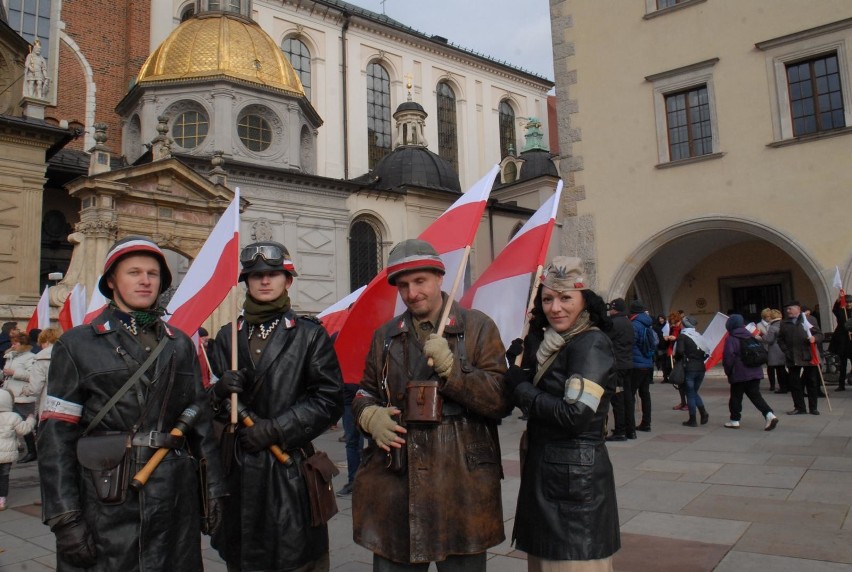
[
  {"x": 96, "y": 304},
  {"x": 450, "y": 234},
  {"x": 715, "y": 336},
  {"x": 335, "y": 316},
  {"x": 211, "y": 276},
  {"x": 503, "y": 289},
  {"x": 814, "y": 351},
  {"x": 41, "y": 317},
  {"x": 73, "y": 311},
  {"x": 838, "y": 283}
]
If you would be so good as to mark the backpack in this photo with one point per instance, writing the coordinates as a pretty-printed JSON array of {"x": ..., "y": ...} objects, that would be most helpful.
[
  {"x": 648, "y": 343},
  {"x": 752, "y": 352}
]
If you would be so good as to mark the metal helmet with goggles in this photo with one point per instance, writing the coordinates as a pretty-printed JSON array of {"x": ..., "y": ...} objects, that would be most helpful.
[{"x": 265, "y": 257}]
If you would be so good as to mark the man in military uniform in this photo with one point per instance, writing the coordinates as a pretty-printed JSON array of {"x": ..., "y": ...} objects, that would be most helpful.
[{"x": 430, "y": 491}]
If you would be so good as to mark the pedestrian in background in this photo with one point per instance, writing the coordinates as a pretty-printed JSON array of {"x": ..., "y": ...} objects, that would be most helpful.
[{"x": 743, "y": 379}]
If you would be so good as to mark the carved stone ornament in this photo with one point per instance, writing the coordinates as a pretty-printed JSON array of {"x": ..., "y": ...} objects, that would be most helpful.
[{"x": 261, "y": 230}]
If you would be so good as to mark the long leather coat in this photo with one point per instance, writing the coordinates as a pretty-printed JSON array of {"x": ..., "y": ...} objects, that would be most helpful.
[
  {"x": 296, "y": 381},
  {"x": 566, "y": 504},
  {"x": 158, "y": 528},
  {"x": 448, "y": 501},
  {"x": 794, "y": 341}
]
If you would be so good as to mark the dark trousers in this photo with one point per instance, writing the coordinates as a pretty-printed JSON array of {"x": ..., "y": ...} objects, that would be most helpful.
[
  {"x": 618, "y": 402},
  {"x": 467, "y": 563},
  {"x": 777, "y": 373},
  {"x": 5, "y": 469},
  {"x": 751, "y": 389},
  {"x": 801, "y": 378},
  {"x": 841, "y": 369},
  {"x": 692, "y": 383},
  {"x": 640, "y": 382},
  {"x": 354, "y": 438}
]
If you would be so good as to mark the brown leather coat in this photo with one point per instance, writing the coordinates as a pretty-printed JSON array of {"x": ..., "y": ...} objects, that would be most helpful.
[{"x": 448, "y": 501}]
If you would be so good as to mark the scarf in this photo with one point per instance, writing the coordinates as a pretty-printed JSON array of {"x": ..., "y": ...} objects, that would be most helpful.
[
  {"x": 553, "y": 341},
  {"x": 699, "y": 340},
  {"x": 143, "y": 318},
  {"x": 261, "y": 312}
]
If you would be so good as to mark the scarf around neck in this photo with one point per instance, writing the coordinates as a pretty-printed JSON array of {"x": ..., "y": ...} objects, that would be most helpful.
[
  {"x": 553, "y": 341},
  {"x": 260, "y": 312}
]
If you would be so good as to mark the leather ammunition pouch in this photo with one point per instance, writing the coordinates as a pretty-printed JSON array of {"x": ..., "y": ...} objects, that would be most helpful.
[
  {"x": 423, "y": 403},
  {"x": 318, "y": 471},
  {"x": 106, "y": 456}
]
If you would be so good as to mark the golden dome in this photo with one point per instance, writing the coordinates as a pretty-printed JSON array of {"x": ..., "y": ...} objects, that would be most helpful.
[{"x": 221, "y": 44}]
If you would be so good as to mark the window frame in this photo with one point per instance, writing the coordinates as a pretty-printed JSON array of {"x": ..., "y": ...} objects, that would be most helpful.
[
  {"x": 689, "y": 125},
  {"x": 355, "y": 259},
  {"x": 450, "y": 153},
  {"x": 375, "y": 152},
  {"x": 310, "y": 61},
  {"x": 514, "y": 135}
]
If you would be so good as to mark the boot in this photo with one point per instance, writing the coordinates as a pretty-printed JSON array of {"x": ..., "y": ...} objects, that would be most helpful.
[
  {"x": 691, "y": 422},
  {"x": 31, "y": 456},
  {"x": 705, "y": 417}
]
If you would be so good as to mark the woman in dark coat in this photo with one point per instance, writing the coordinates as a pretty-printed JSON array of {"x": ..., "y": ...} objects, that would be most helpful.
[{"x": 566, "y": 518}]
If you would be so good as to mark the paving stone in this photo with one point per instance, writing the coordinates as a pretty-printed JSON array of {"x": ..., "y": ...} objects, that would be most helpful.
[
  {"x": 767, "y": 510},
  {"x": 760, "y": 476},
  {"x": 709, "y": 456},
  {"x": 662, "y": 496},
  {"x": 682, "y": 527},
  {"x": 642, "y": 553},
  {"x": 820, "y": 485},
  {"x": 748, "y": 492},
  {"x": 798, "y": 542},
  {"x": 785, "y": 460},
  {"x": 686, "y": 469},
  {"x": 829, "y": 463},
  {"x": 736, "y": 561}
]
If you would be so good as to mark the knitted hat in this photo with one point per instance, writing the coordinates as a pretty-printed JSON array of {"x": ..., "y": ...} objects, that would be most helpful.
[
  {"x": 734, "y": 322},
  {"x": 792, "y": 303},
  {"x": 689, "y": 322},
  {"x": 413, "y": 255},
  {"x": 128, "y": 246},
  {"x": 637, "y": 307},
  {"x": 7, "y": 401},
  {"x": 265, "y": 257},
  {"x": 565, "y": 273},
  {"x": 619, "y": 305}
]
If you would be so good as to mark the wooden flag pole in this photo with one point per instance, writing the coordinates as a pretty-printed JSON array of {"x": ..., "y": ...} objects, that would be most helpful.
[
  {"x": 530, "y": 304},
  {"x": 234, "y": 361},
  {"x": 445, "y": 314}
]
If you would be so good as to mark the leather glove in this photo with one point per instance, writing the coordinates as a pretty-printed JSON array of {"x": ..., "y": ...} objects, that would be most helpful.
[
  {"x": 210, "y": 524},
  {"x": 74, "y": 543},
  {"x": 514, "y": 377},
  {"x": 848, "y": 325},
  {"x": 232, "y": 381},
  {"x": 437, "y": 348},
  {"x": 260, "y": 436},
  {"x": 378, "y": 422},
  {"x": 516, "y": 348}
]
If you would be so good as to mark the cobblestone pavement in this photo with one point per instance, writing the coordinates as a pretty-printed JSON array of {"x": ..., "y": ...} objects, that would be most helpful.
[{"x": 704, "y": 498}]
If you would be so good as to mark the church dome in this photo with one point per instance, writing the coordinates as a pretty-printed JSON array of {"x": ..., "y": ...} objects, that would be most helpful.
[
  {"x": 216, "y": 45},
  {"x": 416, "y": 166}
]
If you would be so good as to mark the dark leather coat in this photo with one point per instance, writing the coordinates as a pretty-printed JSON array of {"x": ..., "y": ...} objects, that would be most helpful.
[
  {"x": 159, "y": 528},
  {"x": 840, "y": 339},
  {"x": 566, "y": 504},
  {"x": 448, "y": 502},
  {"x": 296, "y": 381}
]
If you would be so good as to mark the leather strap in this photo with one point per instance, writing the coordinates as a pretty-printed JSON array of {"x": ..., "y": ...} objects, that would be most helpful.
[{"x": 157, "y": 440}]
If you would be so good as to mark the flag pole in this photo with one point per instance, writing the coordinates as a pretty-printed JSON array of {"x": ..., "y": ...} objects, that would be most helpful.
[
  {"x": 530, "y": 304},
  {"x": 824, "y": 390},
  {"x": 451, "y": 296},
  {"x": 234, "y": 362}
]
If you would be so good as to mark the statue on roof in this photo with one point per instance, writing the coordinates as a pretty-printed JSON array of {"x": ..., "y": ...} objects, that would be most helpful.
[{"x": 36, "y": 82}]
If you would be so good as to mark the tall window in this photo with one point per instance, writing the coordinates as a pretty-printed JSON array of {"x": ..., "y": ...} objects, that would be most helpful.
[
  {"x": 816, "y": 99},
  {"x": 378, "y": 114},
  {"x": 364, "y": 254},
  {"x": 688, "y": 122},
  {"x": 300, "y": 58},
  {"x": 667, "y": 3},
  {"x": 507, "y": 129},
  {"x": 31, "y": 19},
  {"x": 226, "y": 5},
  {"x": 447, "y": 137}
]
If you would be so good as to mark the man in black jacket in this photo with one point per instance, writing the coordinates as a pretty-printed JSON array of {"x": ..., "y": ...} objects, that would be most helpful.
[
  {"x": 796, "y": 338},
  {"x": 622, "y": 337},
  {"x": 841, "y": 340}
]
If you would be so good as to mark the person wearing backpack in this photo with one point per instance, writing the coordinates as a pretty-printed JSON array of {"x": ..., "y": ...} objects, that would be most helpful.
[
  {"x": 743, "y": 379},
  {"x": 692, "y": 350},
  {"x": 644, "y": 349}
]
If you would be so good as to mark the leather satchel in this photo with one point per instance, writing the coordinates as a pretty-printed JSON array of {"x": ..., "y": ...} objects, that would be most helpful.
[
  {"x": 423, "y": 403},
  {"x": 318, "y": 471},
  {"x": 107, "y": 458}
]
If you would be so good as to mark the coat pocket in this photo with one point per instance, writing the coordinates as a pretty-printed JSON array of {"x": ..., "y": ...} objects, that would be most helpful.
[
  {"x": 480, "y": 455},
  {"x": 566, "y": 473}
]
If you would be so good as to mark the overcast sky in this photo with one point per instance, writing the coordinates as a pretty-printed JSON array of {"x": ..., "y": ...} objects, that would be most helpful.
[{"x": 517, "y": 32}]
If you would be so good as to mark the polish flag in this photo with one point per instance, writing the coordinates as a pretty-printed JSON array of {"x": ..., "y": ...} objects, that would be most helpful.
[
  {"x": 502, "y": 291},
  {"x": 814, "y": 351},
  {"x": 335, "y": 316},
  {"x": 715, "y": 336},
  {"x": 450, "y": 234},
  {"x": 73, "y": 311},
  {"x": 838, "y": 283},
  {"x": 96, "y": 304},
  {"x": 212, "y": 274},
  {"x": 41, "y": 317}
]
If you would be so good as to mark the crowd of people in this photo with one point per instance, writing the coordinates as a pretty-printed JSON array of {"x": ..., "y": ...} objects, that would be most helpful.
[{"x": 142, "y": 447}]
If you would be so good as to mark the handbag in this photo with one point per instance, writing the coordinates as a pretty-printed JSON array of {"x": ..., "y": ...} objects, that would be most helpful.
[
  {"x": 107, "y": 458},
  {"x": 423, "y": 403},
  {"x": 676, "y": 377},
  {"x": 318, "y": 471}
]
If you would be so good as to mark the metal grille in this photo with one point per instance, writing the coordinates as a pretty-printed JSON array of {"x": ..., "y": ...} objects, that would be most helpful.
[
  {"x": 365, "y": 257},
  {"x": 507, "y": 129},
  {"x": 447, "y": 138},
  {"x": 688, "y": 121},
  {"x": 378, "y": 114},
  {"x": 190, "y": 129},
  {"x": 300, "y": 58},
  {"x": 816, "y": 98}
]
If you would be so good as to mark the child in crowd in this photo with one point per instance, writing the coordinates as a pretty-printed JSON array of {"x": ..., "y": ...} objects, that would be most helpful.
[{"x": 11, "y": 427}]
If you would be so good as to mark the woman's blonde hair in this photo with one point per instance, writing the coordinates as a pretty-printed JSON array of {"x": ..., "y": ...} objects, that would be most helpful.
[
  {"x": 765, "y": 313},
  {"x": 775, "y": 314},
  {"x": 49, "y": 336}
]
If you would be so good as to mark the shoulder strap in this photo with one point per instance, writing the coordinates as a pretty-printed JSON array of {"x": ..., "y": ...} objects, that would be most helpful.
[{"x": 133, "y": 379}]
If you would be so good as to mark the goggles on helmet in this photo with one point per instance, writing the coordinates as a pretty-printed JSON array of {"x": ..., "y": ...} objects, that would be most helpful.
[{"x": 272, "y": 254}]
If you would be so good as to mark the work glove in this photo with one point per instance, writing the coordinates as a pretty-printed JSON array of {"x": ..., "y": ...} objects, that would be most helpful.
[
  {"x": 437, "y": 348},
  {"x": 378, "y": 422},
  {"x": 514, "y": 377},
  {"x": 74, "y": 543},
  {"x": 516, "y": 348},
  {"x": 260, "y": 436},
  {"x": 232, "y": 381},
  {"x": 210, "y": 524}
]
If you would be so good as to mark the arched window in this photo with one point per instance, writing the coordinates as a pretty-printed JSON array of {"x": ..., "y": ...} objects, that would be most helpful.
[
  {"x": 507, "y": 129},
  {"x": 187, "y": 13},
  {"x": 447, "y": 137},
  {"x": 364, "y": 253},
  {"x": 378, "y": 114},
  {"x": 300, "y": 58}
]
